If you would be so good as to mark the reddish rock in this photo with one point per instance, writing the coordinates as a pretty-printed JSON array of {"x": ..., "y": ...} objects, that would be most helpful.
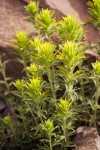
[
  {"x": 12, "y": 18},
  {"x": 87, "y": 139}
]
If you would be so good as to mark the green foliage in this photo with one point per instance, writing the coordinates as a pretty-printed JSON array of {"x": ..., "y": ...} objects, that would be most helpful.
[
  {"x": 63, "y": 115},
  {"x": 63, "y": 109},
  {"x": 94, "y": 10},
  {"x": 43, "y": 21},
  {"x": 46, "y": 22},
  {"x": 33, "y": 70},
  {"x": 71, "y": 54},
  {"x": 33, "y": 9},
  {"x": 70, "y": 29},
  {"x": 48, "y": 127},
  {"x": 56, "y": 94},
  {"x": 96, "y": 67},
  {"x": 45, "y": 54},
  {"x": 22, "y": 44},
  {"x": 21, "y": 41},
  {"x": 95, "y": 100}
]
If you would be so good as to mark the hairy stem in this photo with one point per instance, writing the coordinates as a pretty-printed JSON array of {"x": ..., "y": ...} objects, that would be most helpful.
[
  {"x": 50, "y": 144},
  {"x": 32, "y": 113},
  {"x": 4, "y": 75},
  {"x": 51, "y": 83}
]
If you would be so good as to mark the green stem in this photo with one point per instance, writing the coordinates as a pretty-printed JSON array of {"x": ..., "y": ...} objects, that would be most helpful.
[
  {"x": 95, "y": 117},
  {"x": 95, "y": 110},
  {"x": 69, "y": 89},
  {"x": 51, "y": 83},
  {"x": 32, "y": 113},
  {"x": 25, "y": 126},
  {"x": 97, "y": 94},
  {"x": 39, "y": 114},
  {"x": 4, "y": 75},
  {"x": 50, "y": 144},
  {"x": 64, "y": 126},
  {"x": 64, "y": 134},
  {"x": 25, "y": 66}
]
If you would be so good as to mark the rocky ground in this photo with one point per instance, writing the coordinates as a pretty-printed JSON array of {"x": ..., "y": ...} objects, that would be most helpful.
[
  {"x": 13, "y": 18},
  {"x": 87, "y": 139}
]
